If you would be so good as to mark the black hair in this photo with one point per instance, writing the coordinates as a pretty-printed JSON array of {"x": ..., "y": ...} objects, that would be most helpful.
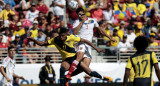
[
  {"x": 141, "y": 43},
  {"x": 63, "y": 30},
  {"x": 47, "y": 58},
  {"x": 79, "y": 10},
  {"x": 10, "y": 47},
  {"x": 54, "y": 31}
]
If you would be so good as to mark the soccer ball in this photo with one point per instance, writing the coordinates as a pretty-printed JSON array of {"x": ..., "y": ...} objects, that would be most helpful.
[{"x": 73, "y": 5}]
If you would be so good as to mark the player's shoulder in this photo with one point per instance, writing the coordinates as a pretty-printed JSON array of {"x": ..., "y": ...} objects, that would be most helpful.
[
  {"x": 72, "y": 36},
  {"x": 143, "y": 53},
  {"x": 7, "y": 59}
]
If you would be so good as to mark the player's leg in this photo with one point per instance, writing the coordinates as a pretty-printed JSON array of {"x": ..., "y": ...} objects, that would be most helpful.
[
  {"x": 64, "y": 67},
  {"x": 79, "y": 68},
  {"x": 93, "y": 73},
  {"x": 79, "y": 54}
]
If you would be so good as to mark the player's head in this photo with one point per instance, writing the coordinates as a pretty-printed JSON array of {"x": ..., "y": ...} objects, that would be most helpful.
[
  {"x": 80, "y": 12},
  {"x": 141, "y": 43},
  {"x": 11, "y": 51},
  {"x": 63, "y": 34}
]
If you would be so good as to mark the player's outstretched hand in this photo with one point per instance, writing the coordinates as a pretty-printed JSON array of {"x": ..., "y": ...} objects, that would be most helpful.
[
  {"x": 22, "y": 78},
  {"x": 100, "y": 50},
  {"x": 8, "y": 80},
  {"x": 30, "y": 38}
]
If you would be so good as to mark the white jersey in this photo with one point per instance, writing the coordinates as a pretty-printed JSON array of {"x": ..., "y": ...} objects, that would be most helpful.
[
  {"x": 86, "y": 31},
  {"x": 32, "y": 15},
  {"x": 9, "y": 66}
]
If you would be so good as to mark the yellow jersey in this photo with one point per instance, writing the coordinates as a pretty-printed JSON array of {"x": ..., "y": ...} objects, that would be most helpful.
[
  {"x": 20, "y": 32},
  {"x": 142, "y": 64},
  {"x": 114, "y": 44},
  {"x": 154, "y": 44},
  {"x": 120, "y": 33},
  {"x": 34, "y": 33},
  {"x": 4, "y": 14},
  {"x": 66, "y": 48}
]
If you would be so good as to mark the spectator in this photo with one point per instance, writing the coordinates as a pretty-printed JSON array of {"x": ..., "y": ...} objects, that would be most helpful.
[
  {"x": 124, "y": 45},
  {"x": 151, "y": 2},
  {"x": 24, "y": 5},
  {"x": 34, "y": 30},
  {"x": 156, "y": 7},
  {"x": 17, "y": 43},
  {"x": 4, "y": 13},
  {"x": 139, "y": 31},
  {"x": 32, "y": 13},
  {"x": 25, "y": 22},
  {"x": 2, "y": 4},
  {"x": 87, "y": 78},
  {"x": 119, "y": 7},
  {"x": 90, "y": 7},
  {"x": 116, "y": 37},
  {"x": 59, "y": 7},
  {"x": 34, "y": 1},
  {"x": 109, "y": 30},
  {"x": 148, "y": 27},
  {"x": 40, "y": 36},
  {"x": 11, "y": 36},
  {"x": 20, "y": 31},
  {"x": 141, "y": 7},
  {"x": 97, "y": 13},
  {"x": 48, "y": 31},
  {"x": 50, "y": 18},
  {"x": 147, "y": 13},
  {"x": 47, "y": 73},
  {"x": 10, "y": 2},
  {"x": 121, "y": 29},
  {"x": 57, "y": 23},
  {"x": 24, "y": 36},
  {"x": 2, "y": 45},
  {"x": 108, "y": 13},
  {"x": 41, "y": 7},
  {"x": 131, "y": 8},
  {"x": 42, "y": 23},
  {"x": 12, "y": 22},
  {"x": 130, "y": 35},
  {"x": 152, "y": 38}
]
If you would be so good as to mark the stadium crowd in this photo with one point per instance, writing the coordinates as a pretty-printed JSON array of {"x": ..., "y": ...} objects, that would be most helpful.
[{"x": 123, "y": 20}]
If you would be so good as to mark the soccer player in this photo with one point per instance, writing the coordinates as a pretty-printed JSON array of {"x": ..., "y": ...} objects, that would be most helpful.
[
  {"x": 7, "y": 68},
  {"x": 83, "y": 27},
  {"x": 65, "y": 44},
  {"x": 142, "y": 62}
]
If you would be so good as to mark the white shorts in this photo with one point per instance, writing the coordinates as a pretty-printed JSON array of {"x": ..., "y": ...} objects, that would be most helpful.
[{"x": 86, "y": 49}]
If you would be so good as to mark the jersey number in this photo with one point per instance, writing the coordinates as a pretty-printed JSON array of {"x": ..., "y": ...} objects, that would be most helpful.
[
  {"x": 86, "y": 26},
  {"x": 140, "y": 64}
]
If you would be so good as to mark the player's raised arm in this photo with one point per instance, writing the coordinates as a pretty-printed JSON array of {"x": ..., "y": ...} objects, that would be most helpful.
[
  {"x": 89, "y": 43},
  {"x": 104, "y": 33},
  {"x": 38, "y": 42},
  {"x": 156, "y": 67}
]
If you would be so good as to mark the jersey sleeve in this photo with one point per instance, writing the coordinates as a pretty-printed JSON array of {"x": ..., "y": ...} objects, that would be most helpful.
[
  {"x": 5, "y": 62},
  {"x": 51, "y": 41},
  {"x": 73, "y": 38},
  {"x": 154, "y": 59},
  {"x": 96, "y": 23},
  {"x": 75, "y": 24},
  {"x": 129, "y": 64}
]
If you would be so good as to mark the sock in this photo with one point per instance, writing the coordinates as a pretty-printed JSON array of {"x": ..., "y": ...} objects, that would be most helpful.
[
  {"x": 73, "y": 66},
  {"x": 95, "y": 74},
  {"x": 62, "y": 76}
]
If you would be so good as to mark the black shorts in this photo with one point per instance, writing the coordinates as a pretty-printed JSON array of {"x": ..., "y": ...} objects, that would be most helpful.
[
  {"x": 142, "y": 82},
  {"x": 70, "y": 59}
]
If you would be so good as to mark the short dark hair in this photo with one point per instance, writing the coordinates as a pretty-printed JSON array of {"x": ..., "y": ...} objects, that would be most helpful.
[
  {"x": 141, "y": 43},
  {"x": 79, "y": 10},
  {"x": 63, "y": 30},
  {"x": 10, "y": 47}
]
